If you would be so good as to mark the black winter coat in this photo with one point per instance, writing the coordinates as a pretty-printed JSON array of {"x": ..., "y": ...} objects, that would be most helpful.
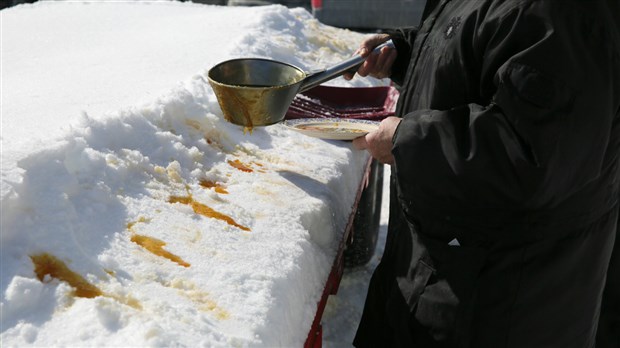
[{"x": 504, "y": 198}]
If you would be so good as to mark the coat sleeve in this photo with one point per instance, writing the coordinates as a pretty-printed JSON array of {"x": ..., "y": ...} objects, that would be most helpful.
[
  {"x": 543, "y": 135},
  {"x": 403, "y": 41}
]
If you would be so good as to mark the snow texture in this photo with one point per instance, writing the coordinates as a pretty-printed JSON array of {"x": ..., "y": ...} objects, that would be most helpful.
[{"x": 133, "y": 214}]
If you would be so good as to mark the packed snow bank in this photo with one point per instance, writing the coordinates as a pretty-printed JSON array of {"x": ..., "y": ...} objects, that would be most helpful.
[
  {"x": 62, "y": 59},
  {"x": 132, "y": 213}
]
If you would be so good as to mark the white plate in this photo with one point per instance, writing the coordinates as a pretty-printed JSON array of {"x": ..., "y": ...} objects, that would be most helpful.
[{"x": 332, "y": 128}]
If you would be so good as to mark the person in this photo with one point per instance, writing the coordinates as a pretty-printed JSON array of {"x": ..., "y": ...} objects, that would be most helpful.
[
  {"x": 608, "y": 334},
  {"x": 505, "y": 175}
]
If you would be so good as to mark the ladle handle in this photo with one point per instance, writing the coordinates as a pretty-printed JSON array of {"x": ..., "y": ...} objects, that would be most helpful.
[{"x": 352, "y": 63}]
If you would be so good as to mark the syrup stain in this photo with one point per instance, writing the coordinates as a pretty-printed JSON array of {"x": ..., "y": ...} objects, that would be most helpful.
[
  {"x": 208, "y": 184},
  {"x": 241, "y": 166},
  {"x": 46, "y": 264},
  {"x": 156, "y": 247},
  {"x": 205, "y": 210},
  {"x": 201, "y": 298},
  {"x": 261, "y": 169},
  {"x": 206, "y": 304},
  {"x": 194, "y": 124},
  {"x": 49, "y": 265},
  {"x": 228, "y": 93},
  {"x": 141, "y": 219},
  {"x": 127, "y": 300}
]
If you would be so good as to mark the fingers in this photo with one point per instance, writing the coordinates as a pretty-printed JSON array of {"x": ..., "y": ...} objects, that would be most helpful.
[
  {"x": 369, "y": 67},
  {"x": 384, "y": 62},
  {"x": 365, "y": 50},
  {"x": 378, "y": 149},
  {"x": 369, "y": 44},
  {"x": 360, "y": 143},
  {"x": 378, "y": 65},
  {"x": 379, "y": 142}
]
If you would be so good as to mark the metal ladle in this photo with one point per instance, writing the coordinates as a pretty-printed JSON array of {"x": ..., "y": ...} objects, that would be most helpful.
[{"x": 257, "y": 92}]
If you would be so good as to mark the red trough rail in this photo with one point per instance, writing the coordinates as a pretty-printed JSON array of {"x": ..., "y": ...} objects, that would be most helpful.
[{"x": 372, "y": 103}]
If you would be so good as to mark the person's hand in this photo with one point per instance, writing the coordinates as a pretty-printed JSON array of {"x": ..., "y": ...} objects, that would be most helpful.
[
  {"x": 376, "y": 65},
  {"x": 379, "y": 142}
]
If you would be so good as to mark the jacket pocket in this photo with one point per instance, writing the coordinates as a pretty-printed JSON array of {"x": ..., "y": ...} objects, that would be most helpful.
[{"x": 440, "y": 292}]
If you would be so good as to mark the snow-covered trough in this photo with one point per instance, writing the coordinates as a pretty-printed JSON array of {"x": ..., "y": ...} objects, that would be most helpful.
[{"x": 132, "y": 213}]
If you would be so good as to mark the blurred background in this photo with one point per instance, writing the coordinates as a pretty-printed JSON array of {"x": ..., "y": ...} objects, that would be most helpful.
[{"x": 359, "y": 15}]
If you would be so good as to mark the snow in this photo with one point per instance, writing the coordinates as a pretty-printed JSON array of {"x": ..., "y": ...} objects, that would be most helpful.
[
  {"x": 344, "y": 310},
  {"x": 132, "y": 213}
]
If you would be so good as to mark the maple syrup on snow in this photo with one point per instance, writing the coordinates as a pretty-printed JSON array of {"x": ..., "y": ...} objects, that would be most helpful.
[
  {"x": 242, "y": 167},
  {"x": 205, "y": 210},
  {"x": 156, "y": 247},
  {"x": 46, "y": 264},
  {"x": 211, "y": 184}
]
